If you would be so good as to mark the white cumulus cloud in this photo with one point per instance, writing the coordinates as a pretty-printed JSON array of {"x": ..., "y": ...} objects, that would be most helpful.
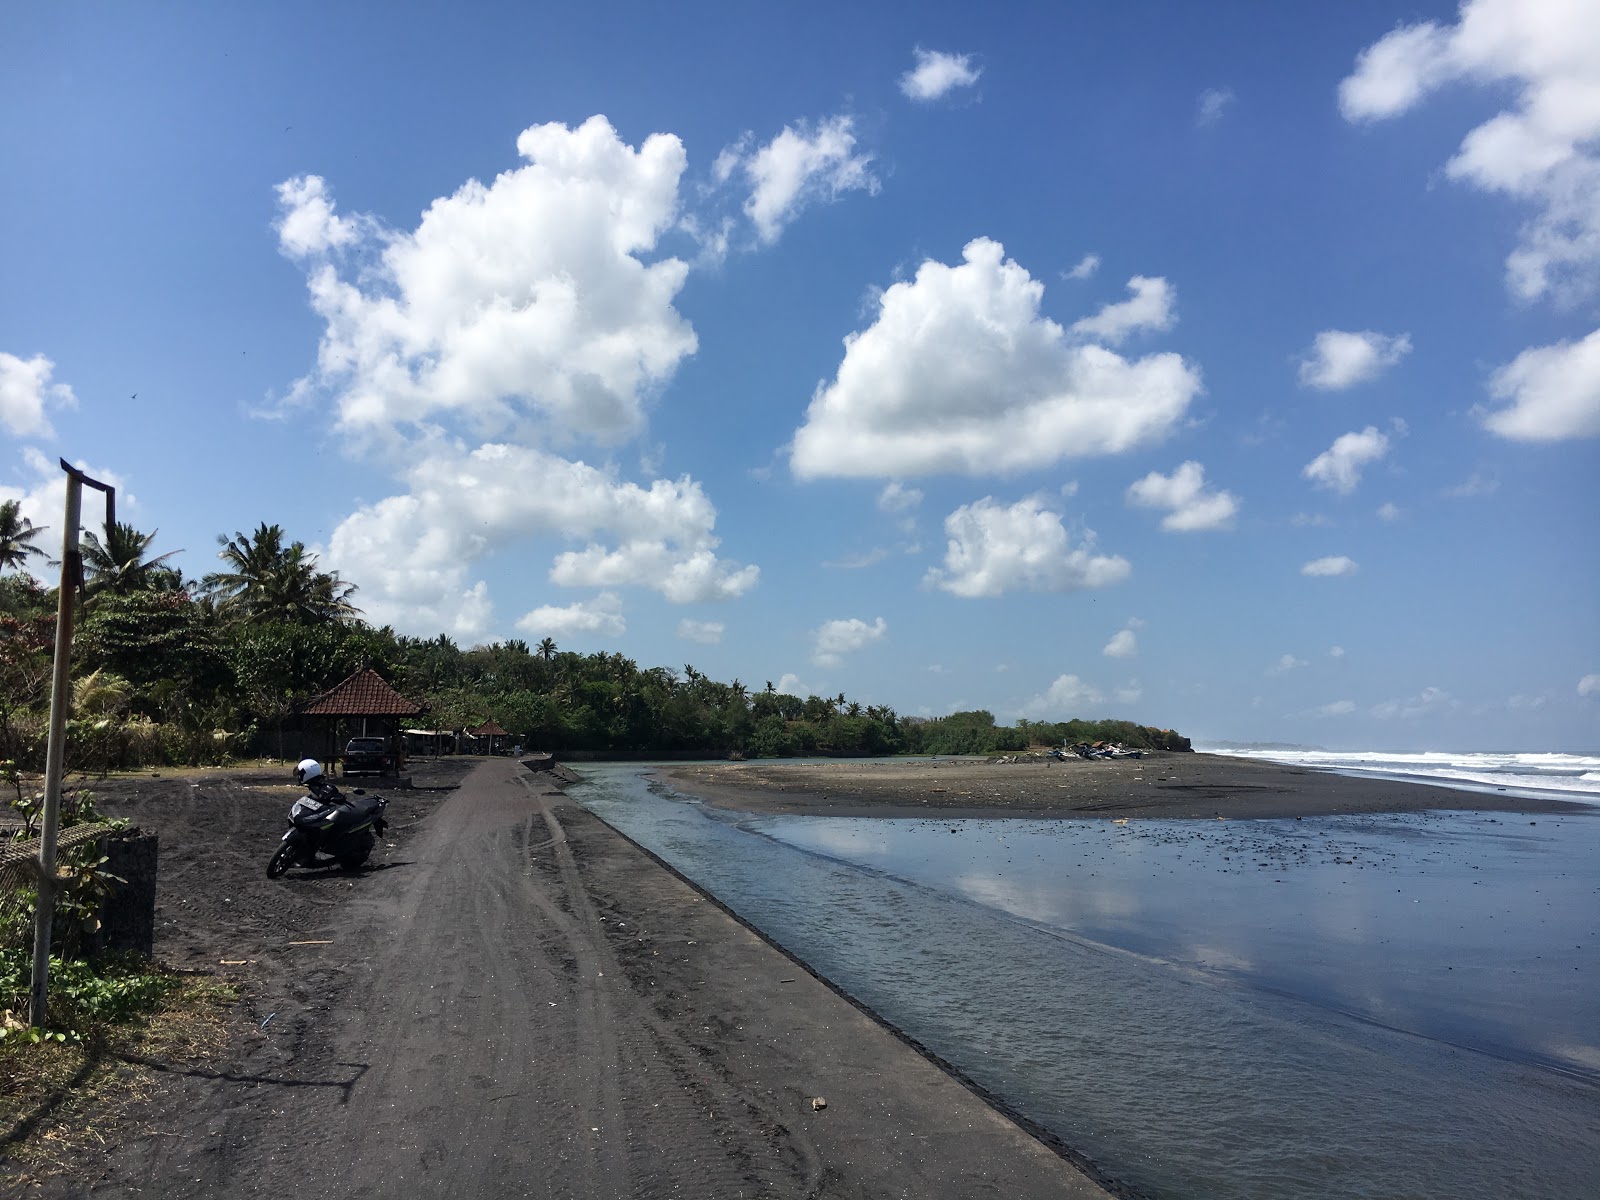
[
  {"x": 961, "y": 374},
  {"x": 1285, "y": 664},
  {"x": 832, "y": 640},
  {"x": 25, "y": 392},
  {"x": 1191, "y": 508},
  {"x": 1589, "y": 685},
  {"x": 896, "y": 497},
  {"x": 1543, "y": 148},
  {"x": 1339, "y": 467},
  {"x": 601, "y": 617},
  {"x": 1150, "y": 307},
  {"x": 706, "y": 633},
  {"x": 1339, "y": 708},
  {"x": 802, "y": 165},
  {"x": 1066, "y": 698},
  {"x": 1086, "y": 266},
  {"x": 937, "y": 74},
  {"x": 42, "y": 499},
  {"x": 1123, "y": 644},
  {"x": 995, "y": 548},
  {"x": 1553, "y": 393},
  {"x": 1339, "y": 359},
  {"x": 1334, "y": 564},
  {"x": 412, "y": 552},
  {"x": 524, "y": 300}
]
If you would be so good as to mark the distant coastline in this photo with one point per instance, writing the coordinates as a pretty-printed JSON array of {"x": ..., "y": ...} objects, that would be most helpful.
[{"x": 1161, "y": 785}]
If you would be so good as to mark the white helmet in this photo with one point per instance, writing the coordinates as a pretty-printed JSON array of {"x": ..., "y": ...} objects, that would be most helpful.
[{"x": 308, "y": 770}]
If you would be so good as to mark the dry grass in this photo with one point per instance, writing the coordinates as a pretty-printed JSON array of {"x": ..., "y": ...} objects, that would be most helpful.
[{"x": 60, "y": 1101}]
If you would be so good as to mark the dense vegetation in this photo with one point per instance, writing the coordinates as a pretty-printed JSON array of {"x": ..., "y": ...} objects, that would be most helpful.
[{"x": 168, "y": 670}]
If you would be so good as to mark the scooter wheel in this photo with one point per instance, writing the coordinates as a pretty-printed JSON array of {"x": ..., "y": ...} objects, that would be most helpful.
[{"x": 281, "y": 861}]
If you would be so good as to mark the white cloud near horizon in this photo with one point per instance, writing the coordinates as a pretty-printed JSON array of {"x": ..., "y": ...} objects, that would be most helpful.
[
  {"x": 1066, "y": 698},
  {"x": 1339, "y": 467},
  {"x": 832, "y": 640},
  {"x": 1332, "y": 566},
  {"x": 1339, "y": 708},
  {"x": 1429, "y": 700},
  {"x": 1552, "y": 393},
  {"x": 1542, "y": 148},
  {"x": 937, "y": 74},
  {"x": 601, "y": 616},
  {"x": 704, "y": 633},
  {"x": 412, "y": 552},
  {"x": 995, "y": 548},
  {"x": 789, "y": 685},
  {"x": 1191, "y": 508},
  {"x": 25, "y": 393},
  {"x": 1151, "y": 307},
  {"x": 803, "y": 165},
  {"x": 1339, "y": 359},
  {"x": 960, "y": 373}
]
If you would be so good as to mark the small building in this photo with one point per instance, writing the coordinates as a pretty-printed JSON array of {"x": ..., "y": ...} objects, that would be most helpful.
[
  {"x": 429, "y": 743},
  {"x": 485, "y": 736},
  {"x": 364, "y": 705}
]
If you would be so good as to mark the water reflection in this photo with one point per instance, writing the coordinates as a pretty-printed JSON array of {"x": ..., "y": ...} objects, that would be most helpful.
[{"x": 1271, "y": 1009}]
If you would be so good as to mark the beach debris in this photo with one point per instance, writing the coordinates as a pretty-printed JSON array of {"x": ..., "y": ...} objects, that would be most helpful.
[
  {"x": 818, "y": 1103},
  {"x": 1119, "y": 820}
]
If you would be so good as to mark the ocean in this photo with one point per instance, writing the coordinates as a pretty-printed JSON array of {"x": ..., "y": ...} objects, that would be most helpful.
[
  {"x": 1569, "y": 776},
  {"x": 1372, "y": 1006}
]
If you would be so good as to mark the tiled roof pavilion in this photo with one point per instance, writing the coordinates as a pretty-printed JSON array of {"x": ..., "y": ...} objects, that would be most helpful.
[
  {"x": 488, "y": 729},
  {"x": 364, "y": 694}
]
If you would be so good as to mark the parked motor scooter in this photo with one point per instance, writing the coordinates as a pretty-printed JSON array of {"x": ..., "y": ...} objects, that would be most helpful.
[{"x": 344, "y": 828}]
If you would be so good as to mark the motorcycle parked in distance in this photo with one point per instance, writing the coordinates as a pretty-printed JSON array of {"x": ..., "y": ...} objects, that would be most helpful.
[{"x": 344, "y": 828}]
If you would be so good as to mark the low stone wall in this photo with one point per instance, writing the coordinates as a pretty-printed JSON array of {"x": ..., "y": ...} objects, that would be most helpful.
[{"x": 128, "y": 915}]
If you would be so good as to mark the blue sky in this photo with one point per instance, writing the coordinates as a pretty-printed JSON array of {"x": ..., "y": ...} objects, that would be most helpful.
[{"x": 1229, "y": 368}]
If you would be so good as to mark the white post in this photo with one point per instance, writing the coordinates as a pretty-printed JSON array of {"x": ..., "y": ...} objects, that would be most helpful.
[
  {"x": 60, "y": 699},
  {"x": 55, "y": 751}
]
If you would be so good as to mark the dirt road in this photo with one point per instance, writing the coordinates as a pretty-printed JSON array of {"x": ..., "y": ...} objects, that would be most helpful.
[{"x": 524, "y": 1004}]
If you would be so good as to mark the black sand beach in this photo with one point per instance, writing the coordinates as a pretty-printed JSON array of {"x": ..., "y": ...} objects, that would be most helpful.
[
  {"x": 1161, "y": 784},
  {"x": 515, "y": 1001}
]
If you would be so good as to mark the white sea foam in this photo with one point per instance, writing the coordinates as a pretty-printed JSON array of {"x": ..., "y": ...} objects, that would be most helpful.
[{"x": 1573, "y": 776}]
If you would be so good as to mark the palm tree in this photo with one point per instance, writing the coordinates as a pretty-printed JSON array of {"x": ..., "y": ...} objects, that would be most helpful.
[
  {"x": 118, "y": 564},
  {"x": 268, "y": 581},
  {"x": 547, "y": 649},
  {"x": 16, "y": 535}
]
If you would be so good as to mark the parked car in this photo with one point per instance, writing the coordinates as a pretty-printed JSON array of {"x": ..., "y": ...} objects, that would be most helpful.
[{"x": 366, "y": 756}]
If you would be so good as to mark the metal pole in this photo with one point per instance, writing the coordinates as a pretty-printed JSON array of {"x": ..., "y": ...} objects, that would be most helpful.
[
  {"x": 55, "y": 752},
  {"x": 60, "y": 696}
]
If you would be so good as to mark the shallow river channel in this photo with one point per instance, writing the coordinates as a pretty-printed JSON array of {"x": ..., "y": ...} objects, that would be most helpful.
[{"x": 1391, "y": 1006}]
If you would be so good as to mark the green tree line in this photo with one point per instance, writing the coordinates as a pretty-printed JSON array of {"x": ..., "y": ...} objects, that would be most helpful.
[{"x": 168, "y": 670}]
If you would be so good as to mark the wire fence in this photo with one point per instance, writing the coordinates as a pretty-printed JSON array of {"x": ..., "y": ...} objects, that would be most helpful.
[{"x": 19, "y": 877}]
